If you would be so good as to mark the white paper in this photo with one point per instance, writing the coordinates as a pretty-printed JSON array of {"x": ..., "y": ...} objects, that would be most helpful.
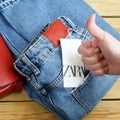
[{"x": 73, "y": 67}]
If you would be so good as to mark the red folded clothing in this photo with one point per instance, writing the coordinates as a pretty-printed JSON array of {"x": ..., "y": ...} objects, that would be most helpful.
[{"x": 10, "y": 79}]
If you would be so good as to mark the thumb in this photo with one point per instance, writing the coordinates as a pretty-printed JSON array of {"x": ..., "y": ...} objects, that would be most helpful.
[
  {"x": 103, "y": 40},
  {"x": 94, "y": 29}
]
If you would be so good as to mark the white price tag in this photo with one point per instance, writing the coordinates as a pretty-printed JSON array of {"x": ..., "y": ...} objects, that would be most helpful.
[{"x": 74, "y": 73}]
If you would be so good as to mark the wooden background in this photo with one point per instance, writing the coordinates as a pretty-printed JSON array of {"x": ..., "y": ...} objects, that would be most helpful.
[{"x": 20, "y": 107}]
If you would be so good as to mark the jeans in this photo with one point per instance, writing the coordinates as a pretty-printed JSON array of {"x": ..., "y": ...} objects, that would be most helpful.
[{"x": 40, "y": 62}]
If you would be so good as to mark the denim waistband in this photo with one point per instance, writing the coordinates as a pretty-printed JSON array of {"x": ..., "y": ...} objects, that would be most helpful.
[
  {"x": 6, "y": 3},
  {"x": 40, "y": 49}
]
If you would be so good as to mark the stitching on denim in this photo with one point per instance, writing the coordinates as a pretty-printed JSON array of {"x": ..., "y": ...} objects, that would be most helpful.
[
  {"x": 81, "y": 102},
  {"x": 42, "y": 60},
  {"x": 6, "y": 4},
  {"x": 35, "y": 43},
  {"x": 49, "y": 103},
  {"x": 85, "y": 82},
  {"x": 73, "y": 27},
  {"x": 83, "y": 34},
  {"x": 21, "y": 72},
  {"x": 28, "y": 62},
  {"x": 55, "y": 82},
  {"x": 34, "y": 82},
  {"x": 77, "y": 97},
  {"x": 46, "y": 103},
  {"x": 31, "y": 70},
  {"x": 47, "y": 55},
  {"x": 50, "y": 52},
  {"x": 38, "y": 35},
  {"x": 65, "y": 20},
  {"x": 58, "y": 109}
]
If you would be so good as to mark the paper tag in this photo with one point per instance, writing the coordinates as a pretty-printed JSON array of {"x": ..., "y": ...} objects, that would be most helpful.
[{"x": 74, "y": 73}]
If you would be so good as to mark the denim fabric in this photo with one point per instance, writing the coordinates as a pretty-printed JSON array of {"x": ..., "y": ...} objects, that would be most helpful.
[{"x": 40, "y": 62}]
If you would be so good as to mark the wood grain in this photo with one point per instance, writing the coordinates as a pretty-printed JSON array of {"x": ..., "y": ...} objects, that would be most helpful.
[
  {"x": 114, "y": 22},
  {"x": 24, "y": 111},
  {"x": 18, "y": 106},
  {"x": 105, "y": 110},
  {"x": 106, "y": 7}
]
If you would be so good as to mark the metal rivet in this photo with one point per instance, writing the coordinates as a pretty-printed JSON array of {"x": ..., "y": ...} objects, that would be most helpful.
[{"x": 43, "y": 91}]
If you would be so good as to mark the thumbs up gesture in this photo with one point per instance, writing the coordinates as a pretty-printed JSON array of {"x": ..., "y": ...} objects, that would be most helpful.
[{"x": 101, "y": 55}]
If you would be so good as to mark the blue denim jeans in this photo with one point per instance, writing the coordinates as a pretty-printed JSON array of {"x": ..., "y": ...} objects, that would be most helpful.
[{"x": 40, "y": 62}]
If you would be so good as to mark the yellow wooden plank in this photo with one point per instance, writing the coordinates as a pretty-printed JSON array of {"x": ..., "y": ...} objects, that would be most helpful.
[
  {"x": 114, "y": 92},
  {"x": 106, "y": 7},
  {"x": 24, "y": 111},
  {"x": 114, "y": 22},
  {"x": 105, "y": 110},
  {"x": 22, "y": 96}
]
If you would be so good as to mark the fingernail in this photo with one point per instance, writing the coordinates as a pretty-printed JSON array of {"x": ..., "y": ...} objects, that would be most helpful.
[{"x": 94, "y": 15}]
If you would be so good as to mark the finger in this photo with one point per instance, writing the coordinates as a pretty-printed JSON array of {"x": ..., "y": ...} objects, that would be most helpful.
[
  {"x": 97, "y": 66},
  {"x": 88, "y": 52},
  {"x": 92, "y": 59},
  {"x": 90, "y": 43},
  {"x": 100, "y": 72},
  {"x": 88, "y": 48}
]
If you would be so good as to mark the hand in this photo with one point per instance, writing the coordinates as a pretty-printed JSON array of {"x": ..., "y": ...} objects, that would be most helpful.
[{"x": 101, "y": 55}]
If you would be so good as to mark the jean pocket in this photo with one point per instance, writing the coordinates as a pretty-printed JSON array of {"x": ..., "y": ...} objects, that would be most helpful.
[
  {"x": 41, "y": 64},
  {"x": 93, "y": 90},
  {"x": 44, "y": 58},
  {"x": 78, "y": 95}
]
